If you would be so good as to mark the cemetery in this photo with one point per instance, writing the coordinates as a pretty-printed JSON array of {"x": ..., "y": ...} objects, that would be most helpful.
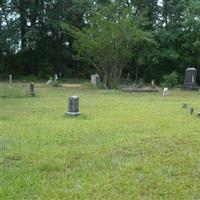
[
  {"x": 98, "y": 143},
  {"x": 99, "y": 100}
]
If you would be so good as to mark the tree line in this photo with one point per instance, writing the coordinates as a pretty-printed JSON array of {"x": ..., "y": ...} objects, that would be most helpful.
[{"x": 145, "y": 39}]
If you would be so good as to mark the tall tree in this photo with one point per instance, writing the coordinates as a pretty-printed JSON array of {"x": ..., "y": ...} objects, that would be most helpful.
[{"x": 108, "y": 40}]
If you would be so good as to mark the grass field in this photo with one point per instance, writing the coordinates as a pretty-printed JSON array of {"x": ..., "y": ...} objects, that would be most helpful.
[{"x": 123, "y": 146}]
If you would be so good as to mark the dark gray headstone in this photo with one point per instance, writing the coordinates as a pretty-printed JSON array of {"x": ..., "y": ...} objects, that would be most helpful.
[
  {"x": 32, "y": 89},
  {"x": 198, "y": 114},
  {"x": 73, "y": 106},
  {"x": 190, "y": 79},
  {"x": 191, "y": 110}
]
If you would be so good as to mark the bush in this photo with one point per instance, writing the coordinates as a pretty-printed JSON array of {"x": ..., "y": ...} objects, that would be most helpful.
[{"x": 171, "y": 80}]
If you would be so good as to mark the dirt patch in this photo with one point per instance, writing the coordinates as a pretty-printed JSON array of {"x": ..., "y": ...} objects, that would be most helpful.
[{"x": 71, "y": 85}]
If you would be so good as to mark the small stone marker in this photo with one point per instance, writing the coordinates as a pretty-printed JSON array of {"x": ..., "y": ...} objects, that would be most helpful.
[
  {"x": 198, "y": 114},
  {"x": 73, "y": 106},
  {"x": 165, "y": 92},
  {"x": 153, "y": 83},
  {"x": 10, "y": 80},
  {"x": 191, "y": 110},
  {"x": 184, "y": 105},
  {"x": 32, "y": 89},
  {"x": 95, "y": 79},
  {"x": 55, "y": 80},
  {"x": 49, "y": 82}
]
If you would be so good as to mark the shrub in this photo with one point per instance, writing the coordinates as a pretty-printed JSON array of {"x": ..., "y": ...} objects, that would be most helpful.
[{"x": 171, "y": 80}]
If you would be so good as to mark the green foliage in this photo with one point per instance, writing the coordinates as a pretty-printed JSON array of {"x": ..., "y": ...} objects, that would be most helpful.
[
  {"x": 108, "y": 40},
  {"x": 171, "y": 80},
  {"x": 33, "y": 42}
]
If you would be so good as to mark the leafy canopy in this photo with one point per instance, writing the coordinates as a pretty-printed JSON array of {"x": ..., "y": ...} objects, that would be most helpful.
[{"x": 107, "y": 41}]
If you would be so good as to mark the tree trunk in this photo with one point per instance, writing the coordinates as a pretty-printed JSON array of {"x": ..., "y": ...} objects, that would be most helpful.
[{"x": 22, "y": 12}]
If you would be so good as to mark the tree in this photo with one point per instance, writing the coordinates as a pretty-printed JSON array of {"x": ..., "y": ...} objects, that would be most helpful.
[
  {"x": 191, "y": 37},
  {"x": 108, "y": 40}
]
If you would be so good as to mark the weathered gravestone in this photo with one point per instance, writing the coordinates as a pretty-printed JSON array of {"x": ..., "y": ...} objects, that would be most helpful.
[
  {"x": 165, "y": 92},
  {"x": 56, "y": 80},
  {"x": 190, "y": 79},
  {"x": 95, "y": 79},
  {"x": 10, "y": 80},
  {"x": 73, "y": 106},
  {"x": 32, "y": 89},
  {"x": 153, "y": 83},
  {"x": 191, "y": 110}
]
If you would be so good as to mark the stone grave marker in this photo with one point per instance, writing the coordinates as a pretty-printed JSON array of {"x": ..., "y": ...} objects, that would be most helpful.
[
  {"x": 56, "y": 80},
  {"x": 32, "y": 89},
  {"x": 73, "y": 106},
  {"x": 165, "y": 92},
  {"x": 191, "y": 110},
  {"x": 10, "y": 80},
  {"x": 153, "y": 83},
  {"x": 190, "y": 79},
  {"x": 95, "y": 79}
]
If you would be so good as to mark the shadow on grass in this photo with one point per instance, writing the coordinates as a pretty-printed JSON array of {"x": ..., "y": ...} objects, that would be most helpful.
[{"x": 82, "y": 116}]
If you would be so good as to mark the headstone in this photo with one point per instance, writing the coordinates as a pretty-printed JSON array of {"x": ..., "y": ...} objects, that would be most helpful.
[
  {"x": 190, "y": 79},
  {"x": 73, "y": 106},
  {"x": 165, "y": 92},
  {"x": 184, "y": 105},
  {"x": 32, "y": 89},
  {"x": 49, "y": 82},
  {"x": 198, "y": 114},
  {"x": 191, "y": 110},
  {"x": 153, "y": 83},
  {"x": 10, "y": 80},
  {"x": 95, "y": 79},
  {"x": 55, "y": 80}
]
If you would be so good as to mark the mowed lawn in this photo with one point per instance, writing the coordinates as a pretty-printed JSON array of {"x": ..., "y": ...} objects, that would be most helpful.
[{"x": 123, "y": 146}]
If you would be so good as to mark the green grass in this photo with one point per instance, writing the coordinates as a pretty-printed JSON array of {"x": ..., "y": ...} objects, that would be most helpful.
[{"x": 123, "y": 146}]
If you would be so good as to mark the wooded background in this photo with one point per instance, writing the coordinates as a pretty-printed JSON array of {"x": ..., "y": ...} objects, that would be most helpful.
[{"x": 33, "y": 42}]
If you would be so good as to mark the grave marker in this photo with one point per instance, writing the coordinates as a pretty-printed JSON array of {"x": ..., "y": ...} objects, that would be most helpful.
[
  {"x": 32, "y": 89},
  {"x": 56, "y": 80},
  {"x": 190, "y": 79},
  {"x": 191, "y": 110},
  {"x": 165, "y": 92},
  {"x": 95, "y": 79},
  {"x": 10, "y": 80},
  {"x": 73, "y": 106}
]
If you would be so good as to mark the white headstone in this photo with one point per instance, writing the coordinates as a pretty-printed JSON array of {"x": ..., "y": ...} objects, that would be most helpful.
[
  {"x": 95, "y": 79},
  {"x": 153, "y": 83},
  {"x": 165, "y": 92},
  {"x": 55, "y": 80},
  {"x": 49, "y": 82}
]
